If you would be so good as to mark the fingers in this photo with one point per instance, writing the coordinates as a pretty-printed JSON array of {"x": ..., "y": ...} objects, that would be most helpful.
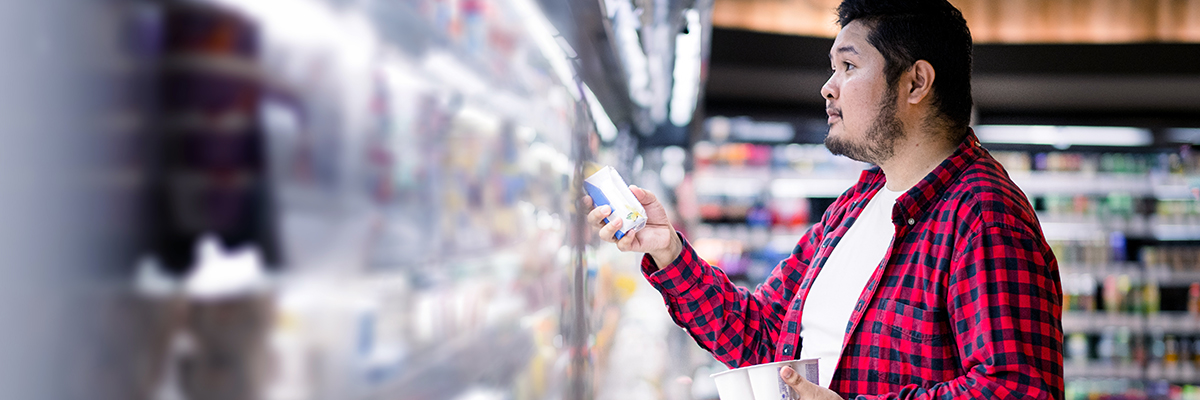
[
  {"x": 791, "y": 378},
  {"x": 586, "y": 201},
  {"x": 626, "y": 242},
  {"x": 597, "y": 215},
  {"x": 608, "y": 232},
  {"x": 644, "y": 196},
  {"x": 805, "y": 389}
]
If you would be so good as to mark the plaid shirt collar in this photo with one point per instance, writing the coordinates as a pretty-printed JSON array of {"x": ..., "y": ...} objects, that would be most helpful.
[{"x": 920, "y": 198}]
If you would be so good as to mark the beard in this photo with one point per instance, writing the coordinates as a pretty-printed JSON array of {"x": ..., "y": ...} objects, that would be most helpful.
[{"x": 880, "y": 139}]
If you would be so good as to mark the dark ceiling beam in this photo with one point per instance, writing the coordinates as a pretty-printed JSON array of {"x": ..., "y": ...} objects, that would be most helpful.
[
  {"x": 786, "y": 72},
  {"x": 770, "y": 50}
]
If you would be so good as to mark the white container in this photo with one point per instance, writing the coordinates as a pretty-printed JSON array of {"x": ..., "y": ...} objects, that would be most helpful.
[
  {"x": 762, "y": 382},
  {"x": 607, "y": 188}
]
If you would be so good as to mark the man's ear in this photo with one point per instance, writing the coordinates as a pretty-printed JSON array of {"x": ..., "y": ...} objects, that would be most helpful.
[{"x": 920, "y": 81}]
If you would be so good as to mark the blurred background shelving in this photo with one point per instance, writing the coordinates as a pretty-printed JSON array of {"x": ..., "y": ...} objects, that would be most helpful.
[{"x": 1098, "y": 135}]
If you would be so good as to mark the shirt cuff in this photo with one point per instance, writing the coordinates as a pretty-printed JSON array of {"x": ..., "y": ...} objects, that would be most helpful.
[{"x": 678, "y": 277}]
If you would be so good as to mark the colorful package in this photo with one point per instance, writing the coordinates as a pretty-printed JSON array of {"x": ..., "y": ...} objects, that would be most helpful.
[{"x": 607, "y": 188}]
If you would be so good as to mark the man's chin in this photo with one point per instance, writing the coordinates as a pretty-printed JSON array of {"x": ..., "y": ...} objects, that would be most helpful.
[
  {"x": 834, "y": 134},
  {"x": 839, "y": 147},
  {"x": 834, "y": 143}
]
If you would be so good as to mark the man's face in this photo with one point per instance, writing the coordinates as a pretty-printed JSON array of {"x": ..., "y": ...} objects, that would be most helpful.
[{"x": 860, "y": 104}]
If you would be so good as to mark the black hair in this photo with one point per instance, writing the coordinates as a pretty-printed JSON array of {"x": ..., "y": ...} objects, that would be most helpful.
[{"x": 905, "y": 31}]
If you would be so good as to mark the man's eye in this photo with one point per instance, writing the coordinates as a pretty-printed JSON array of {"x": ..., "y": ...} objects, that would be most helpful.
[{"x": 849, "y": 66}]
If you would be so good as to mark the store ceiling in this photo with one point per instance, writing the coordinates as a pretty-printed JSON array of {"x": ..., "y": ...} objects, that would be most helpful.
[
  {"x": 995, "y": 21},
  {"x": 766, "y": 74}
]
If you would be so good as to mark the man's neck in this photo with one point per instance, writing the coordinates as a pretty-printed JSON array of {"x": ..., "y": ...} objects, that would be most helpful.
[{"x": 916, "y": 154}]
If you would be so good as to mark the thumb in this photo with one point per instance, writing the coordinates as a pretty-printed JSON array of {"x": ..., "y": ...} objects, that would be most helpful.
[
  {"x": 795, "y": 380},
  {"x": 644, "y": 196}
]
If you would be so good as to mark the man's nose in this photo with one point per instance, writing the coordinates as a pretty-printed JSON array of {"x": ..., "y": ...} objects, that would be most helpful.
[{"x": 829, "y": 89}]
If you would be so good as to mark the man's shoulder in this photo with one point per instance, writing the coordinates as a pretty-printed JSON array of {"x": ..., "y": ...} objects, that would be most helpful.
[
  {"x": 985, "y": 193},
  {"x": 986, "y": 180}
]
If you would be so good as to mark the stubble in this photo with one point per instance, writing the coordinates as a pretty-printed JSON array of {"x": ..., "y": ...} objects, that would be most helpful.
[{"x": 879, "y": 144}]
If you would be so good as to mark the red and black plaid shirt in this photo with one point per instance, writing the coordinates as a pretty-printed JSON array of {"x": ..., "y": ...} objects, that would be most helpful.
[{"x": 967, "y": 304}]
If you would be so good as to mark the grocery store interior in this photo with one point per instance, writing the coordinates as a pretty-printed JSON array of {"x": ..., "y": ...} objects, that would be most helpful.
[{"x": 380, "y": 199}]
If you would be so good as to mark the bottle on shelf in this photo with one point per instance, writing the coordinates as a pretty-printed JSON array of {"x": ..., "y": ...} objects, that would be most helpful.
[
  {"x": 1170, "y": 353},
  {"x": 1077, "y": 348},
  {"x": 1122, "y": 346},
  {"x": 1152, "y": 297},
  {"x": 1112, "y": 294},
  {"x": 1193, "y": 302}
]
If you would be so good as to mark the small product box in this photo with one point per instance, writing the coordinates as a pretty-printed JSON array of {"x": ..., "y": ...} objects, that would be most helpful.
[{"x": 607, "y": 188}]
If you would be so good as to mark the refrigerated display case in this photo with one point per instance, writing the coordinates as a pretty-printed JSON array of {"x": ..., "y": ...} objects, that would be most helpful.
[
  {"x": 334, "y": 199},
  {"x": 329, "y": 198},
  {"x": 372, "y": 199}
]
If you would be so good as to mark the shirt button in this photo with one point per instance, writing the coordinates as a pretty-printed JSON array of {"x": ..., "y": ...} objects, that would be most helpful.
[
  {"x": 911, "y": 221},
  {"x": 787, "y": 349}
]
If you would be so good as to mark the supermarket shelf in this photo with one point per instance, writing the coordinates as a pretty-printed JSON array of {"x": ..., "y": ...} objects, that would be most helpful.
[
  {"x": 739, "y": 182},
  {"x": 1095, "y": 369},
  {"x": 1160, "y": 274},
  {"x": 1167, "y": 277},
  {"x": 1159, "y": 186},
  {"x": 1075, "y": 227},
  {"x": 1181, "y": 373},
  {"x": 1136, "y": 226},
  {"x": 1175, "y": 190},
  {"x": 450, "y": 367},
  {"x": 789, "y": 183},
  {"x": 1101, "y": 269},
  {"x": 810, "y": 187},
  {"x": 1175, "y": 232},
  {"x": 1174, "y": 323},
  {"x": 1040, "y": 183},
  {"x": 1096, "y": 322},
  {"x": 754, "y": 180}
]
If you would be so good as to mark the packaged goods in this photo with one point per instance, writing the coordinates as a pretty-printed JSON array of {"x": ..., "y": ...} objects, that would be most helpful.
[{"x": 607, "y": 188}]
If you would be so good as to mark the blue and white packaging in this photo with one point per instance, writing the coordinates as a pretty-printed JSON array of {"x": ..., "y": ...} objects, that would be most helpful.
[{"x": 607, "y": 188}]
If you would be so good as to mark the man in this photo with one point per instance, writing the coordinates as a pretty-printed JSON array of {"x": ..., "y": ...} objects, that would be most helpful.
[{"x": 928, "y": 279}]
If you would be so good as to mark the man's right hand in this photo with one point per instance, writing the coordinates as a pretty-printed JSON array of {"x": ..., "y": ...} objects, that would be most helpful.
[{"x": 658, "y": 238}]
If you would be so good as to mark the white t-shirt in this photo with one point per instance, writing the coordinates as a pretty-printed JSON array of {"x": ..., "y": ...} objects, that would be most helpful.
[{"x": 831, "y": 300}]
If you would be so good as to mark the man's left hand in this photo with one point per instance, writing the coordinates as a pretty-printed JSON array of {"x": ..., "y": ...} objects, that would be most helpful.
[{"x": 805, "y": 389}]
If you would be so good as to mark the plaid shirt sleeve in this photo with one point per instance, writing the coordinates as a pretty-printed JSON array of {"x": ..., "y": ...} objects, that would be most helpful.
[
  {"x": 737, "y": 326},
  {"x": 1005, "y": 309}
]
